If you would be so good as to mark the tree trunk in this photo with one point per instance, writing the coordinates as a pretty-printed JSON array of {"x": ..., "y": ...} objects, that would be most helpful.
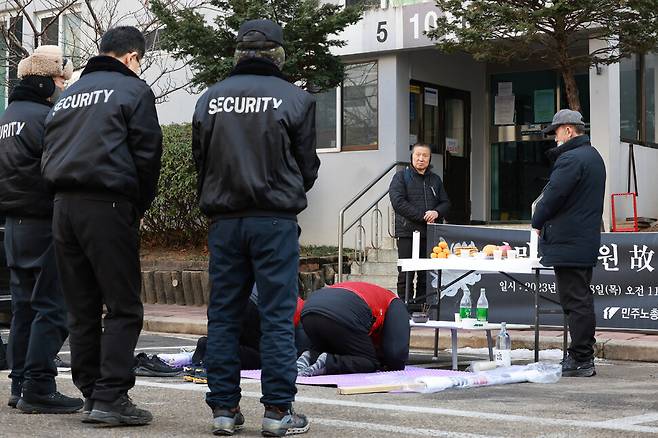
[{"x": 573, "y": 98}]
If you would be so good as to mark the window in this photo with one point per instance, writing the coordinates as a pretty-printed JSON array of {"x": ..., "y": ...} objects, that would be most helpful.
[
  {"x": 346, "y": 117},
  {"x": 15, "y": 52},
  {"x": 638, "y": 83},
  {"x": 152, "y": 38},
  {"x": 360, "y": 107},
  {"x": 325, "y": 120},
  {"x": 72, "y": 41},
  {"x": 50, "y": 31}
]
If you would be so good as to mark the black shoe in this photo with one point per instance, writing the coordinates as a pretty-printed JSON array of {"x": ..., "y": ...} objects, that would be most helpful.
[
  {"x": 122, "y": 411},
  {"x": 86, "y": 410},
  {"x": 154, "y": 367},
  {"x": 573, "y": 368},
  {"x": 227, "y": 421},
  {"x": 61, "y": 364},
  {"x": 53, "y": 403},
  {"x": 16, "y": 391}
]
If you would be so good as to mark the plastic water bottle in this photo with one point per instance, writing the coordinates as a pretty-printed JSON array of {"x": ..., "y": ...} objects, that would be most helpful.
[
  {"x": 482, "y": 311},
  {"x": 503, "y": 354},
  {"x": 465, "y": 305}
]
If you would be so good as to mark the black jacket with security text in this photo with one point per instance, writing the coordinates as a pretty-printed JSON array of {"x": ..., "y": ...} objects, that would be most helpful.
[
  {"x": 103, "y": 136},
  {"x": 23, "y": 191},
  {"x": 254, "y": 144}
]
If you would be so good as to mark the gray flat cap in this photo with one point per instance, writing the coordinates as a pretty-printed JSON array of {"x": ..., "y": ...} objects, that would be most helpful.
[
  {"x": 564, "y": 117},
  {"x": 268, "y": 28}
]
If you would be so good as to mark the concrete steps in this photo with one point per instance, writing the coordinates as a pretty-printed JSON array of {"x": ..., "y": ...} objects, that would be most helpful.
[
  {"x": 382, "y": 255},
  {"x": 385, "y": 281}
]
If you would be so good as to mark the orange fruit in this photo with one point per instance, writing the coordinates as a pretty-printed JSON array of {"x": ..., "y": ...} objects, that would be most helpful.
[
  {"x": 443, "y": 244},
  {"x": 442, "y": 256},
  {"x": 446, "y": 250},
  {"x": 436, "y": 250},
  {"x": 434, "y": 255}
]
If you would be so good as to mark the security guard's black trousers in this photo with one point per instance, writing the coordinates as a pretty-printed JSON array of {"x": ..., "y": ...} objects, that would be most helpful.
[
  {"x": 38, "y": 325},
  {"x": 97, "y": 247}
]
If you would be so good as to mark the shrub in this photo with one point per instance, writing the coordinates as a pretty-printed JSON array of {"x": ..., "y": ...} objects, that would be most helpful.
[{"x": 174, "y": 218}]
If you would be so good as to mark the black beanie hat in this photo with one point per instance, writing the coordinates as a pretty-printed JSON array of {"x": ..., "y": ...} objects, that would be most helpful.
[{"x": 44, "y": 86}]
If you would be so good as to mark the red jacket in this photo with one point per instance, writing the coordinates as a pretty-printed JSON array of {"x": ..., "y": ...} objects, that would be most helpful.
[
  {"x": 377, "y": 298},
  {"x": 298, "y": 311}
]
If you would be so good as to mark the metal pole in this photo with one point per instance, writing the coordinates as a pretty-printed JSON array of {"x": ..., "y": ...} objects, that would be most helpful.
[
  {"x": 536, "y": 315},
  {"x": 341, "y": 218}
]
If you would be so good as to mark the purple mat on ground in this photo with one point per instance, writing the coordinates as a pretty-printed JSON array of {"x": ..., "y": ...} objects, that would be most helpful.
[{"x": 346, "y": 380}]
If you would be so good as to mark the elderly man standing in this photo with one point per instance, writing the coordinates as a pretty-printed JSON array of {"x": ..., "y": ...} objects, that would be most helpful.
[
  {"x": 418, "y": 198},
  {"x": 254, "y": 149},
  {"x": 567, "y": 218}
]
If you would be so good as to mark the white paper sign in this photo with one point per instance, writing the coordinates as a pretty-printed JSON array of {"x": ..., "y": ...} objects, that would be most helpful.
[
  {"x": 504, "y": 88},
  {"x": 504, "y": 110},
  {"x": 452, "y": 145},
  {"x": 431, "y": 96}
]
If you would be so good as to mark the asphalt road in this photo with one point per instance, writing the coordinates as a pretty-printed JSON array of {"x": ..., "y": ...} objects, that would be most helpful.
[{"x": 620, "y": 402}]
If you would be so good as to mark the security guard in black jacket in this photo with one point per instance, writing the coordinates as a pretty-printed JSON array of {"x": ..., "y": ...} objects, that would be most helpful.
[
  {"x": 38, "y": 325},
  {"x": 254, "y": 149},
  {"x": 102, "y": 156},
  {"x": 418, "y": 198}
]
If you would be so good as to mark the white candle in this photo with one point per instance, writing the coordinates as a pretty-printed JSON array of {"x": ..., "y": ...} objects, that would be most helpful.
[
  {"x": 415, "y": 245},
  {"x": 533, "y": 244}
]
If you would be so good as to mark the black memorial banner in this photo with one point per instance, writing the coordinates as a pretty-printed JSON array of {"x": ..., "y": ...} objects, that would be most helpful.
[{"x": 624, "y": 282}]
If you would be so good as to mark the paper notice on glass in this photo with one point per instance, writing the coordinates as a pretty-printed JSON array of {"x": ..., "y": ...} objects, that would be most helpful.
[
  {"x": 544, "y": 105},
  {"x": 504, "y": 110},
  {"x": 452, "y": 145},
  {"x": 504, "y": 88},
  {"x": 431, "y": 96},
  {"x": 413, "y": 139}
]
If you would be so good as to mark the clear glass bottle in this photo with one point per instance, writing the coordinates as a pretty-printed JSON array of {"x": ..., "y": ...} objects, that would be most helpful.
[
  {"x": 465, "y": 306},
  {"x": 482, "y": 307},
  {"x": 503, "y": 354}
]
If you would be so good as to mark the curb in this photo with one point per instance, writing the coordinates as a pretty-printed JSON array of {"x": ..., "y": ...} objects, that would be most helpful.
[{"x": 610, "y": 349}]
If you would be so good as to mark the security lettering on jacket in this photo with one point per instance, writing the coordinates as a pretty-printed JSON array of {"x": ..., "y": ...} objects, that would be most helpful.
[
  {"x": 81, "y": 100},
  {"x": 23, "y": 191},
  {"x": 243, "y": 105},
  {"x": 253, "y": 141},
  {"x": 11, "y": 129},
  {"x": 116, "y": 148}
]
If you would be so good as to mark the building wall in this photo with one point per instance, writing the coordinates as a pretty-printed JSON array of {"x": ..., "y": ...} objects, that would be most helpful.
[{"x": 343, "y": 174}]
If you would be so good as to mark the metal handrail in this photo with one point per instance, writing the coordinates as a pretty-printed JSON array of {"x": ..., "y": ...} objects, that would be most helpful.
[{"x": 341, "y": 215}]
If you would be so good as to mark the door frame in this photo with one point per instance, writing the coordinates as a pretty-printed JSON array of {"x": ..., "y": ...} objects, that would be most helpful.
[{"x": 445, "y": 93}]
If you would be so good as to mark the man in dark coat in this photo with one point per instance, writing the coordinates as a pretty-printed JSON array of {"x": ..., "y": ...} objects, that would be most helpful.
[
  {"x": 102, "y": 157},
  {"x": 567, "y": 217},
  {"x": 418, "y": 198},
  {"x": 254, "y": 148},
  {"x": 38, "y": 325}
]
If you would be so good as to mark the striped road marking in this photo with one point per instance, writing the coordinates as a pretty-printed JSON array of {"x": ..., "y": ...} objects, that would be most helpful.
[{"x": 626, "y": 424}]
